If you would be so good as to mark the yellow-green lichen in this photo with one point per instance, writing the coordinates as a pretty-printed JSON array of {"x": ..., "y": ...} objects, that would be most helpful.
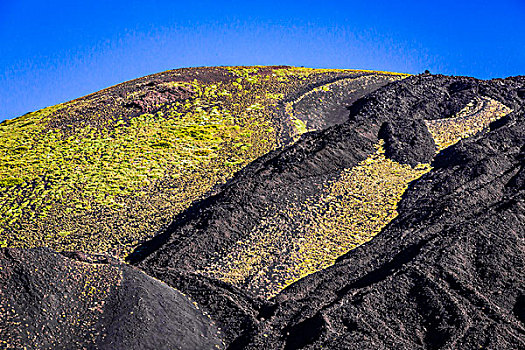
[
  {"x": 112, "y": 177},
  {"x": 349, "y": 212},
  {"x": 475, "y": 117}
]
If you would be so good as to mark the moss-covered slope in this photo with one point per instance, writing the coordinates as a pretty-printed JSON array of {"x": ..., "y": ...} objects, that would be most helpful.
[{"x": 106, "y": 171}]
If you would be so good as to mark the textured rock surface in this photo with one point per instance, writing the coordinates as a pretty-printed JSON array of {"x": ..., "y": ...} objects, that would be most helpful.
[
  {"x": 433, "y": 278},
  {"x": 448, "y": 272},
  {"x": 49, "y": 301}
]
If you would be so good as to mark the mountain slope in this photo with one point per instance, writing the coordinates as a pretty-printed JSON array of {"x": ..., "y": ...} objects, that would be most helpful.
[
  {"x": 332, "y": 209},
  {"x": 447, "y": 273},
  {"x": 50, "y": 301},
  {"x": 106, "y": 171}
]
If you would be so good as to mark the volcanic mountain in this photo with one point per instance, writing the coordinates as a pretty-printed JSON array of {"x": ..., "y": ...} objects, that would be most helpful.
[{"x": 267, "y": 208}]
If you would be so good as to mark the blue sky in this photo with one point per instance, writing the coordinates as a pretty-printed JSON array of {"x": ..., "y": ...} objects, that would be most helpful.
[{"x": 54, "y": 51}]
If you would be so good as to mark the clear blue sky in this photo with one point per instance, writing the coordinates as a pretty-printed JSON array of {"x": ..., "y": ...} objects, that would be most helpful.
[{"x": 54, "y": 51}]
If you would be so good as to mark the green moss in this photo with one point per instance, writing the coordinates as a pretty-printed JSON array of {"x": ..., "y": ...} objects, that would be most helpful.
[
  {"x": 243, "y": 71},
  {"x": 114, "y": 178},
  {"x": 203, "y": 152},
  {"x": 255, "y": 107},
  {"x": 349, "y": 212},
  {"x": 233, "y": 163},
  {"x": 472, "y": 119},
  {"x": 252, "y": 79},
  {"x": 20, "y": 149},
  {"x": 8, "y": 182},
  {"x": 300, "y": 126}
]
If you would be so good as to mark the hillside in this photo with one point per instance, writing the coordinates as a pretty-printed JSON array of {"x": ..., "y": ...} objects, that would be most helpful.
[
  {"x": 106, "y": 171},
  {"x": 85, "y": 301},
  {"x": 268, "y": 208}
]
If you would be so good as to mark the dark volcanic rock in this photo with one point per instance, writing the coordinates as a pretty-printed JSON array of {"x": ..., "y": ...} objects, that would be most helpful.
[
  {"x": 233, "y": 311},
  {"x": 322, "y": 109},
  {"x": 151, "y": 97},
  {"x": 408, "y": 141},
  {"x": 301, "y": 170},
  {"x": 49, "y": 301},
  {"x": 146, "y": 314},
  {"x": 447, "y": 273}
]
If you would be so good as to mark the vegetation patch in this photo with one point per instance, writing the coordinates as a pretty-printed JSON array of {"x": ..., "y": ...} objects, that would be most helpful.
[
  {"x": 10, "y": 181},
  {"x": 308, "y": 237},
  {"x": 475, "y": 117},
  {"x": 349, "y": 212}
]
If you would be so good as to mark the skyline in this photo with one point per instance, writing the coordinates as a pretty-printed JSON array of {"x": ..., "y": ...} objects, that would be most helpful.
[{"x": 58, "y": 51}]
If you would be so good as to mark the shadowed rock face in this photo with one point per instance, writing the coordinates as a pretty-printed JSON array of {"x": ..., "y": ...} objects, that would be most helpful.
[
  {"x": 408, "y": 141},
  {"x": 397, "y": 226}
]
